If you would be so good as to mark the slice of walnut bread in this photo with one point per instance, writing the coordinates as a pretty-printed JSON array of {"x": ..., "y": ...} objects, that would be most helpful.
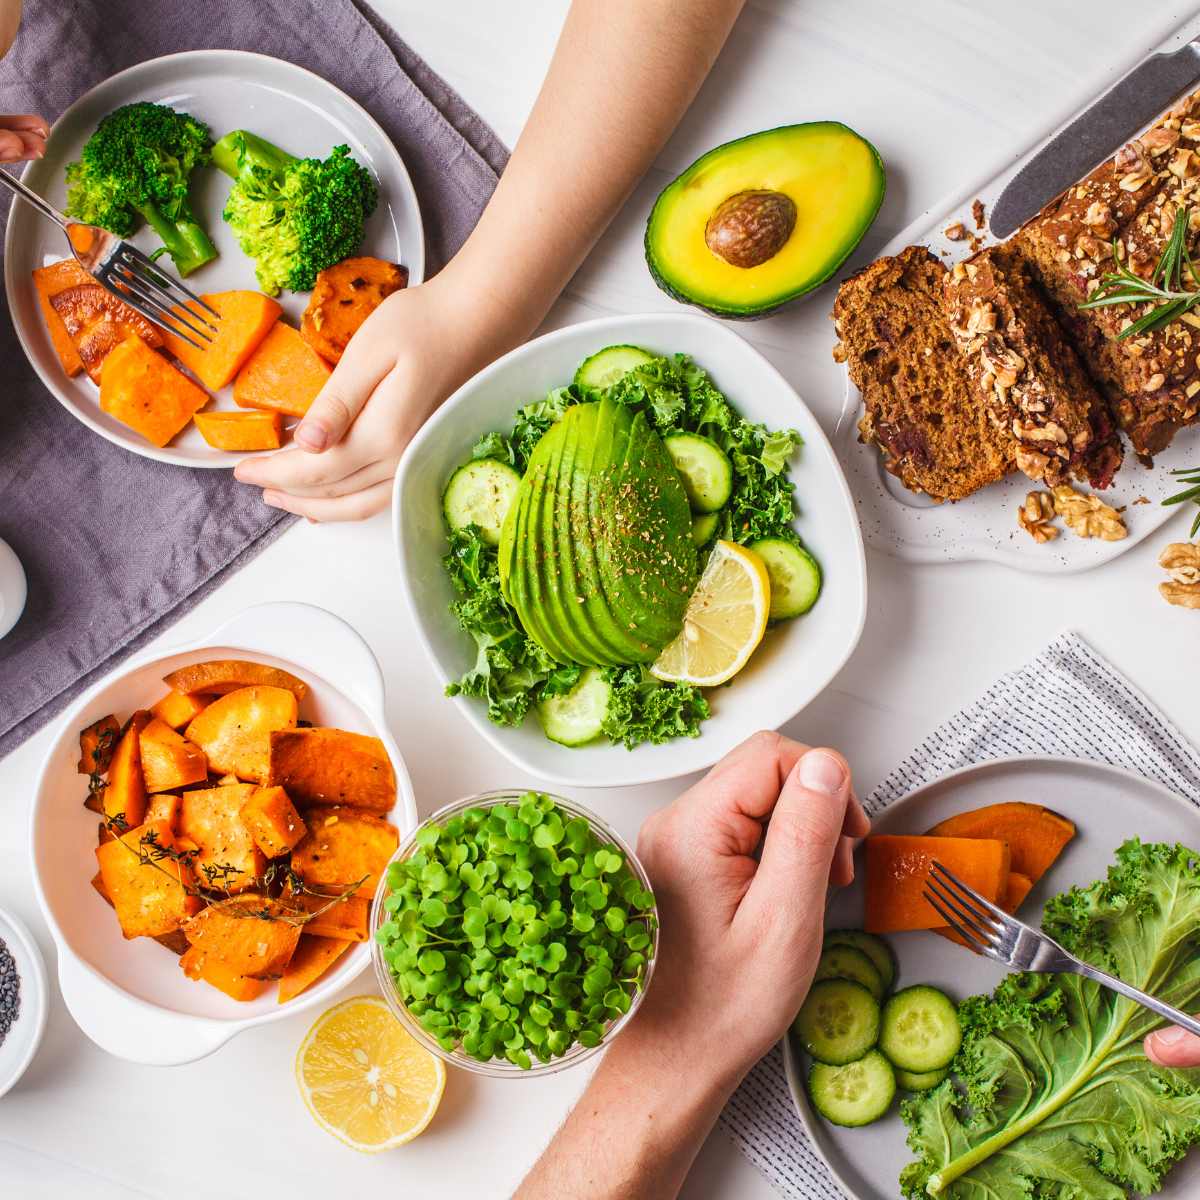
[
  {"x": 922, "y": 410},
  {"x": 1027, "y": 373}
]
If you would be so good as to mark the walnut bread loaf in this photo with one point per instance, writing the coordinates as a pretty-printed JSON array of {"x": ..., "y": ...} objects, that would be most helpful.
[
  {"x": 1027, "y": 373},
  {"x": 923, "y": 412}
]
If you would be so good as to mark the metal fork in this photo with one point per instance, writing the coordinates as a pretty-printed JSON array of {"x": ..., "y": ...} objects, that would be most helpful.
[
  {"x": 991, "y": 931},
  {"x": 128, "y": 274}
]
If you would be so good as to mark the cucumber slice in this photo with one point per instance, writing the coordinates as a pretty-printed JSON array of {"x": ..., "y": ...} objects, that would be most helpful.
[
  {"x": 920, "y": 1081},
  {"x": 838, "y": 1022},
  {"x": 875, "y": 948},
  {"x": 480, "y": 493},
  {"x": 706, "y": 470},
  {"x": 575, "y": 718},
  {"x": 855, "y": 1094},
  {"x": 602, "y": 369},
  {"x": 794, "y": 574},
  {"x": 920, "y": 1030},
  {"x": 704, "y": 527},
  {"x": 845, "y": 962}
]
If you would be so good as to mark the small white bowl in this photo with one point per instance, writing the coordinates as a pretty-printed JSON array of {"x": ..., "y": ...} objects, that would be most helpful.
[
  {"x": 25, "y": 1035},
  {"x": 797, "y": 658},
  {"x": 130, "y": 997}
]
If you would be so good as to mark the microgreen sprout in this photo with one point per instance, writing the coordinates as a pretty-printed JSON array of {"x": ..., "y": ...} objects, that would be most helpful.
[{"x": 513, "y": 931}]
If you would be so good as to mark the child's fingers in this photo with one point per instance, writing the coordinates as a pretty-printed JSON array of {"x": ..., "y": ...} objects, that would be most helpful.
[
  {"x": 332, "y": 413},
  {"x": 300, "y": 474},
  {"x": 356, "y": 507},
  {"x": 28, "y": 122},
  {"x": 15, "y": 145}
]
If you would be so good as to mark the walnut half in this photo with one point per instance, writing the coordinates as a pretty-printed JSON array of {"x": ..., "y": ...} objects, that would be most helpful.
[
  {"x": 1181, "y": 561},
  {"x": 1087, "y": 515},
  {"x": 1035, "y": 515}
]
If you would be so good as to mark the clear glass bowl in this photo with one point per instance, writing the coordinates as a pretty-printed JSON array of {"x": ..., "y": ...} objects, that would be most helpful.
[{"x": 500, "y": 1067}]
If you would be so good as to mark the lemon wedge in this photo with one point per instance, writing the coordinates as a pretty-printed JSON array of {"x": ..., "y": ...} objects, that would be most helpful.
[
  {"x": 725, "y": 620},
  {"x": 365, "y": 1079}
]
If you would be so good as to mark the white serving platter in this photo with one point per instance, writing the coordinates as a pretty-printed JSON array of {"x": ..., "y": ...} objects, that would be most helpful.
[
  {"x": 984, "y": 526},
  {"x": 1108, "y": 805},
  {"x": 227, "y": 89}
]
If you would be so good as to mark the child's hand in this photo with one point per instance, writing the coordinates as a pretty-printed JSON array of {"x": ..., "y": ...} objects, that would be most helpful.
[
  {"x": 22, "y": 136},
  {"x": 409, "y": 355}
]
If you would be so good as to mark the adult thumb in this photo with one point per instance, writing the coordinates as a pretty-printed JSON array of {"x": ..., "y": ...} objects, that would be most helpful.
[
  {"x": 1173, "y": 1047},
  {"x": 803, "y": 833},
  {"x": 342, "y": 398}
]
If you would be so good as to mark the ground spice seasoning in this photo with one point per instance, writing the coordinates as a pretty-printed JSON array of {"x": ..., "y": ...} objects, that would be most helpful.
[{"x": 10, "y": 991}]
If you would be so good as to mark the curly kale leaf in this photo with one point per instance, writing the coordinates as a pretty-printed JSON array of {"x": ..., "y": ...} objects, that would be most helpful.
[
  {"x": 1051, "y": 1097},
  {"x": 643, "y": 709}
]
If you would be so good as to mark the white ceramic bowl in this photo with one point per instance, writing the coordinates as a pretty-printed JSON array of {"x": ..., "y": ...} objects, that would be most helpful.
[
  {"x": 130, "y": 997},
  {"x": 796, "y": 660},
  {"x": 25, "y": 1035}
]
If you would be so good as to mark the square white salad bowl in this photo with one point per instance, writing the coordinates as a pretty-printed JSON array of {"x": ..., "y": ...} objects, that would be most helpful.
[
  {"x": 130, "y": 997},
  {"x": 797, "y": 658}
]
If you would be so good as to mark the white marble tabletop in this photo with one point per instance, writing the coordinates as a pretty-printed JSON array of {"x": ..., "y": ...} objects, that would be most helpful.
[{"x": 945, "y": 90}]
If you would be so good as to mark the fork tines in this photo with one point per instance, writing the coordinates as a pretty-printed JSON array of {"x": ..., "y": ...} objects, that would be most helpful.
[
  {"x": 158, "y": 297},
  {"x": 964, "y": 910}
]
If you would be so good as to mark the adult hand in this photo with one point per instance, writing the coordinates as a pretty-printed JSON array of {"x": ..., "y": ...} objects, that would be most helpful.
[
  {"x": 740, "y": 865},
  {"x": 22, "y": 136},
  {"x": 1173, "y": 1047}
]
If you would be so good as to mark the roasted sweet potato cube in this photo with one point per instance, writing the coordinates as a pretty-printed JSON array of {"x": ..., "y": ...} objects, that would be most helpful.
[
  {"x": 228, "y": 861},
  {"x": 248, "y": 935},
  {"x": 246, "y": 318},
  {"x": 151, "y": 891},
  {"x": 169, "y": 761},
  {"x": 141, "y": 389},
  {"x": 312, "y": 958},
  {"x": 333, "y": 766},
  {"x": 49, "y": 281},
  {"x": 176, "y": 942},
  {"x": 343, "y": 297},
  {"x": 347, "y": 919},
  {"x": 177, "y": 709},
  {"x": 200, "y": 965},
  {"x": 284, "y": 375},
  {"x": 101, "y": 890},
  {"x": 124, "y": 798},
  {"x": 96, "y": 745},
  {"x": 272, "y": 820},
  {"x": 241, "y": 433},
  {"x": 342, "y": 846},
  {"x": 228, "y": 781},
  {"x": 221, "y": 675},
  {"x": 97, "y": 322},
  {"x": 234, "y": 729},
  {"x": 164, "y": 807},
  {"x": 104, "y": 832}
]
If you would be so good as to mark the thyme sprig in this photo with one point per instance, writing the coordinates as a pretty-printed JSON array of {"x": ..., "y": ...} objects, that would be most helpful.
[
  {"x": 1190, "y": 478},
  {"x": 1173, "y": 287}
]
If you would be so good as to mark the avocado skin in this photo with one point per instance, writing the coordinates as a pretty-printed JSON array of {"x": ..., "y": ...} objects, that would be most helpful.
[
  {"x": 661, "y": 274},
  {"x": 597, "y": 557}
]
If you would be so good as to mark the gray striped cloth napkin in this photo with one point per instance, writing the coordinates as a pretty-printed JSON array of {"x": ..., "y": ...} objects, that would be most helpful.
[{"x": 1067, "y": 696}]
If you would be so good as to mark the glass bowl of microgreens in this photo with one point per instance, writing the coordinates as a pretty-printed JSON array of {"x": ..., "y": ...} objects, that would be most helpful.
[{"x": 515, "y": 933}]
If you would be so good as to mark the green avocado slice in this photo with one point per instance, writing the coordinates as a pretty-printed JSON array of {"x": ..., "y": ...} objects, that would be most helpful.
[{"x": 809, "y": 192}]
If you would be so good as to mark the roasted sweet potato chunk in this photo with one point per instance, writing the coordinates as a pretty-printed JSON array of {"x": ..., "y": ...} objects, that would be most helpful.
[
  {"x": 97, "y": 322},
  {"x": 241, "y": 433},
  {"x": 272, "y": 821},
  {"x": 342, "y": 846},
  {"x": 101, "y": 890},
  {"x": 164, "y": 807},
  {"x": 96, "y": 745},
  {"x": 343, "y": 297},
  {"x": 248, "y": 935},
  {"x": 124, "y": 799},
  {"x": 177, "y": 709},
  {"x": 169, "y": 761},
  {"x": 142, "y": 390},
  {"x": 312, "y": 958},
  {"x": 346, "y": 920},
  {"x": 333, "y": 766},
  {"x": 49, "y": 281},
  {"x": 283, "y": 375},
  {"x": 246, "y": 318},
  {"x": 234, "y": 730},
  {"x": 1036, "y": 836},
  {"x": 228, "y": 861},
  {"x": 149, "y": 889},
  {"x": 221, "y": 675},
  {"x": 200, "y": 965}
]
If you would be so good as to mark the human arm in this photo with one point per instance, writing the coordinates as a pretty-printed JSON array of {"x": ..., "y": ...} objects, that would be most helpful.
[
  {"x": 741, "y": 933},
  {"x": 622, "y": 75}
]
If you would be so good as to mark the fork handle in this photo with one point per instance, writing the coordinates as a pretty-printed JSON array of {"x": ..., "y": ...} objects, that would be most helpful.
[
  {"x": 1174, "y": 1015},
  {"x": 31, "y": 197}
]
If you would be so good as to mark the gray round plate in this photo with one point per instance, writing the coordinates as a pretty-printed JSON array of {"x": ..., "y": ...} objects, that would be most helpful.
[{"x": 1108, "y": 806}]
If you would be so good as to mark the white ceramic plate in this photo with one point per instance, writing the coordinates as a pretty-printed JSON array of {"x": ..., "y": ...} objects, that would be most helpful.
[
  {"x": 227, "y": 89},
  {"x": 130, "y": 997},
  {"x": 984, "y": 526},
  {"x": 796, "y": 660},
  {"x": 1108, "y": 806}
]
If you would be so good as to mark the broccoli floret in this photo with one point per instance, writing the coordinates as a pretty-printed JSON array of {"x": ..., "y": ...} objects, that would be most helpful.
[
  {"x": 293, "y": 216},
  {"x": 135, "y": 168}
]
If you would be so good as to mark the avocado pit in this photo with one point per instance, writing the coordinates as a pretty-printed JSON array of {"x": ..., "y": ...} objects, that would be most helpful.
[{"x": 749, "y": 228}]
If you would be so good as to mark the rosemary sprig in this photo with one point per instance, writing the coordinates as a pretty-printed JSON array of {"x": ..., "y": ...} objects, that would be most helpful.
[
  {"x": 1166, "y": 289},
  {"x": 1190, "y": 478}
]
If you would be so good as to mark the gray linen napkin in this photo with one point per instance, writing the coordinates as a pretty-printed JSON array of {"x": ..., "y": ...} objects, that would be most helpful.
[
  {"x": 1066, "y": 696},
  {"x": 116, "y": 547}
]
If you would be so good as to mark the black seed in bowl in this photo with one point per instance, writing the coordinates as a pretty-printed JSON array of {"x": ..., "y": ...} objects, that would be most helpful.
[{"x": 10, "y": 991}]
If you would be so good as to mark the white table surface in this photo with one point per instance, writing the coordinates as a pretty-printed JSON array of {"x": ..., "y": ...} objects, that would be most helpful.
[{"x": 945, "y": 90}]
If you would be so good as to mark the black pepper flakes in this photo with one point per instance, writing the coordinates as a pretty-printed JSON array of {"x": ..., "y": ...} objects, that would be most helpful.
[{"x": 10, "y": 991}]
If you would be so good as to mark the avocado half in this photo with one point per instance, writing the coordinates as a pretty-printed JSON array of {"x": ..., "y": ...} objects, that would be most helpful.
[
  {"x": 764, "y": 219},
  {"x": 596, "y": 553}
]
